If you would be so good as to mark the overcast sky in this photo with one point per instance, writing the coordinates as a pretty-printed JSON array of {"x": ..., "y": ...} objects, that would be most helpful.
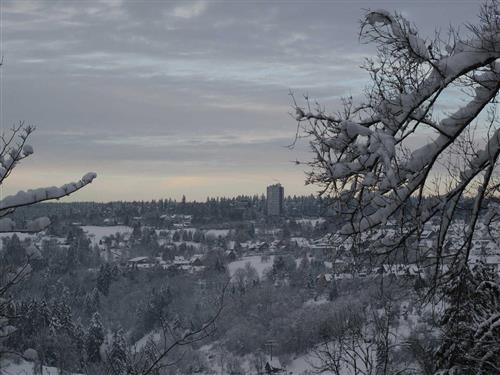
[{"x": 164, "y": 98}]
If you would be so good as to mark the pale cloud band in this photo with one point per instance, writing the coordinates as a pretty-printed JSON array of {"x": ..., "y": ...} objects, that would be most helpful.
[{"x": 166, "y": 98}]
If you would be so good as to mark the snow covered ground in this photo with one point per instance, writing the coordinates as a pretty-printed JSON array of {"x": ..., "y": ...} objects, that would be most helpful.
[
  {"x": 301, "y": 365},
  {"x": 97, "y": 233},
  {"x": 216, "y": 233},
  {"x": 154, "y": 336},
  {"x": 313, "y": 222},
  {"x": 25, "y": 368},
  {"x": 255, "y": 261}
]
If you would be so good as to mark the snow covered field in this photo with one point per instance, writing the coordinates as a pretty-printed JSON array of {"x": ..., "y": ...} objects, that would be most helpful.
[
  {"x": 255, "y": 261},
  {"x": 97, "y": 233},
  {"x": 312, "y": 222},
  {"x": 217, "y": 233},
  {"x": 25, "y": 368}
]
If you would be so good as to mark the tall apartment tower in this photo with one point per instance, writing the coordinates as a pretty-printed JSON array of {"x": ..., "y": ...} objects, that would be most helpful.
[{"x": 275, "y": 197}]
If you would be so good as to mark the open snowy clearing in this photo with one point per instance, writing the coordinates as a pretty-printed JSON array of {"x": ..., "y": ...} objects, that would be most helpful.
[
  {"x": 97, "y": 233},
  {"x": 26, "y": 368},
  {"x": 255, "y": 261}
]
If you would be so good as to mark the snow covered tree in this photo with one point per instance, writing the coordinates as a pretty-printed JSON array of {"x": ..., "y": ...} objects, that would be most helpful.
[
  {"x": 94, "y": 339},
  {"x": 79, "y": 339},
  {"x": 104, "y": 278},
  {"x": 380, "y": 158},
  {"x": 471, "y": 325},
  {"x": 92, "y": 301},
  {"x": 61, "y": 319},
  {"x": 118, "y": 354}
]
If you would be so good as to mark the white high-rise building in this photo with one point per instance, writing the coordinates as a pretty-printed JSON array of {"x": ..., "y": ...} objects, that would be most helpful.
[{"x": 275, "y": 197}]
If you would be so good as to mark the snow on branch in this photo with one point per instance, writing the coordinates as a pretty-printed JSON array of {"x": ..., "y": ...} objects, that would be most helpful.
[
  {"x": 370, "y": 156},
  {"x": 13, "y": 148},
  {"x": 29, "y": 197}
]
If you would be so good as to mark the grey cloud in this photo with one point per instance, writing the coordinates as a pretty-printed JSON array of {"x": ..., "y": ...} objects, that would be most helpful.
[{"x": 172, "y": 86}]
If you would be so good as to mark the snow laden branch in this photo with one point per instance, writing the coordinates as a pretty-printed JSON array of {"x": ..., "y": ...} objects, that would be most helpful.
[
  {"x": 399, "y": 185},
  {"x": 13, "y": 149},
  {"x": 393, "y": 155},
  {"x": 29, "y": 197}
]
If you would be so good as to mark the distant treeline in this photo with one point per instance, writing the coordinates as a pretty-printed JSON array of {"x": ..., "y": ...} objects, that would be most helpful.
[
  {"x": 212, "y": 210},
  {"x": 209, "y": 211}
]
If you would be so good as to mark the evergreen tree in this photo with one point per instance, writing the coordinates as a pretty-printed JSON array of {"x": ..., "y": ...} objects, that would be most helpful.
[
  {"x": 61, "y": 319},
  {"x": 303, "y": 271},
  {"x": 14, "y": 251},
  {"x": 43, "y": 313},
  {"x": 104, "y": 279},
  {"x": 79, "y": 341},
  {"x": 136, "y": 232},
  {"x": 198, "y": 236},
  {"x": 219, "y": 266},
  {"x": 92, "y": 301},
  {"x": 156, "y": 307},
  {"x": 333, "y": 293},
  {"x": 94, "y": 338},
  {"x": 115, "y": 272},
  {"x": 117, "y": 355},
  {"x": 471, "y": 325}
]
